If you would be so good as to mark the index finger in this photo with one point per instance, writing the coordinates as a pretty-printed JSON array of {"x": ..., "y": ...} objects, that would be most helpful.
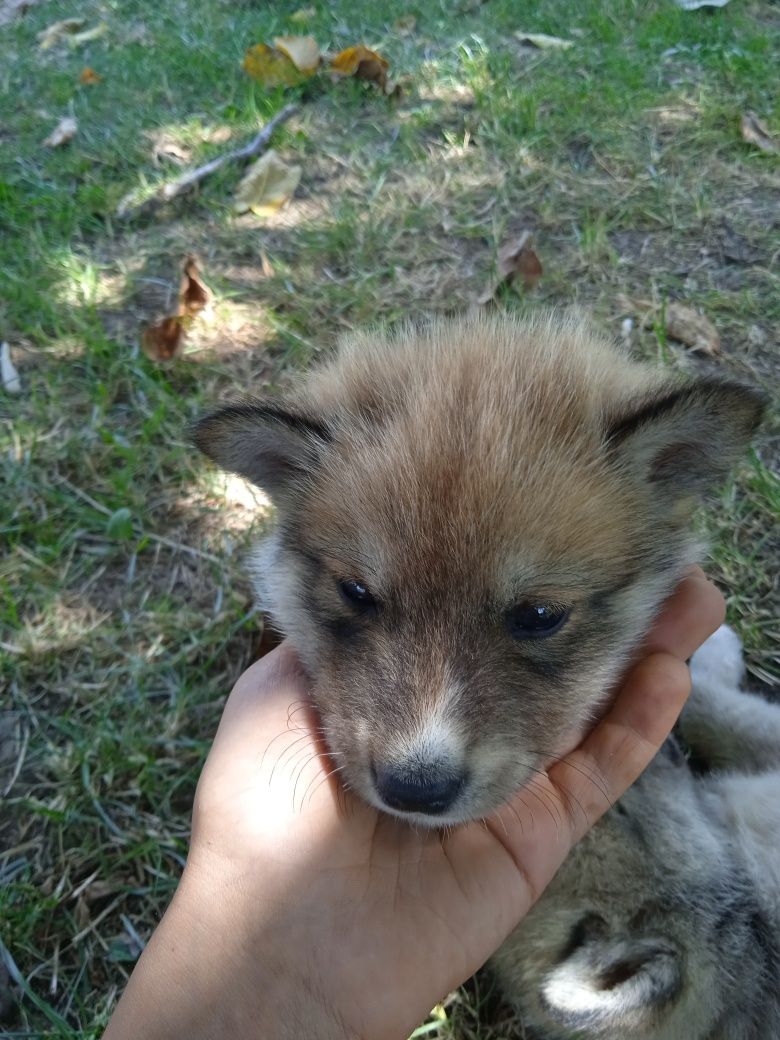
[{"x": 693, "y": 612}]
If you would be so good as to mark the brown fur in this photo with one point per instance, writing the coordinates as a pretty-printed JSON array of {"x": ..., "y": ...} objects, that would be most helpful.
[{"x": 454, "y": 471}]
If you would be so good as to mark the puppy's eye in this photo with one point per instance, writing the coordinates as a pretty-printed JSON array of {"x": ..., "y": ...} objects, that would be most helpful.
[
  {"x": 357, "y": 595},
  {"x": 535, "y": 620}
]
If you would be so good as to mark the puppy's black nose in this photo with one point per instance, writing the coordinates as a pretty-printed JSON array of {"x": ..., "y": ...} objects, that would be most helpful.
[{"x": 431, "y": 791}]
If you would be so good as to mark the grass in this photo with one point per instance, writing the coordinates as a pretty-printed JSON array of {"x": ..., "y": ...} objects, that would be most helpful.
[{"x": 124, "y": 607}]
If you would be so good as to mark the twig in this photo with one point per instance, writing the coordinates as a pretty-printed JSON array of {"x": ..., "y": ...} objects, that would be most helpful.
[
  {"x": 172, "y": 189},
  {"x": 158, "y": 538}
]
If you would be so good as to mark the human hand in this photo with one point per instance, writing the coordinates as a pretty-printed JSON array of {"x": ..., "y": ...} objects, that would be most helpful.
[{"x": 304, "y": 912}]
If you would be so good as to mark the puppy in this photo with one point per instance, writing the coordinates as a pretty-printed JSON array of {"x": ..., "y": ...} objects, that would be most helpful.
[
  {"x": 664, "y": 923},
  {"x": 477, "y": 521}
]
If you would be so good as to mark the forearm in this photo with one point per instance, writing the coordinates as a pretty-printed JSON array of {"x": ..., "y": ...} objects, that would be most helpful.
[{"x": 196, "y": 979}]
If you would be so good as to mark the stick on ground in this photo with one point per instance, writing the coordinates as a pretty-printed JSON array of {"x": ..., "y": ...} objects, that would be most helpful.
[{"x": 172, "y": 189}]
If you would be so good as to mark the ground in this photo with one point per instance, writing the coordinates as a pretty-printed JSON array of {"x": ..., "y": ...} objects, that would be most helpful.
[{"x": 124, "y": 603}]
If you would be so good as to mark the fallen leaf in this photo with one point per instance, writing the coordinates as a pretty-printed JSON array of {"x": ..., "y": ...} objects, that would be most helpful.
[
  {"x": 88, "y": 35},
  {"x": 303, "y": 51},
  {"x": 756, "y": 133},
  {"x": 304, "y": 14},
  {"x": 265, "y": 265},
  {"x": 165, "y": 149},
  {"x": 693, "y": 5},
  {"x": 693, "y": 329},
  {"x": 544, "y": 42},
  {"x": 9, "y": 377},
  {"x": 406, "y": 24},
  {"x": 88, "y": 76},
  {"x": 218, "y": 135},
  {"x": 63, "y": 132},
  {"x": 516, "y": 258},
  {"x": 55, "y": 32},
  {"x": 165, "y": 340},
  {"x": 267, "y": 185},
  {"x": 271, "y": 67},
  {"x": 194, "y": 294},
  {"x": 362, "y": 63}
]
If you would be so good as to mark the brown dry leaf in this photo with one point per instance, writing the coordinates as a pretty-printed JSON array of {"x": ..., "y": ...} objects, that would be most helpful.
[
  {"x": 165, "y": 340},
  {"x": 406, "y": 24},
  {"x": 271, "y": 67},
  {"x": 88, "y": 76},
  {"x": 516, "y": 259},
  {"x": 63, "y": 132},
  {"x": 362, "y": 63},
  {"x": 267, "y": 185},
  {"x": 756, "y": 133},
  {"x": 544, "y": 42},
  {"x": 693, "y": 329},
  {"x": 55, "y": 32},
  {"x": 303, "y": 51},
  {"x": 194, "y": 294}
]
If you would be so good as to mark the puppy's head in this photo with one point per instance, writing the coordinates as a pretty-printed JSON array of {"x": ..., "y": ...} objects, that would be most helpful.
[{"x": 476, "y": 523}]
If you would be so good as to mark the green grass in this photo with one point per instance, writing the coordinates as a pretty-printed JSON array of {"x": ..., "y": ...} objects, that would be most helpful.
[{"x": 125, "y": 613}]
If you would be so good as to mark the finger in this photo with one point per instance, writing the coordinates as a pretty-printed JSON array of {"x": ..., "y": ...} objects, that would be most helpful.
[
  {"x": 624, "y": 743},
  {"x": 693, "y": 612},
  {"x": 269, "y": 700}
]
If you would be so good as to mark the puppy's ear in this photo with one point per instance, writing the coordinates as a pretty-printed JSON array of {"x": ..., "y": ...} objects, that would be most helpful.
[
  {"x": 684, "y": 440},
  {"x": 270, "y": 446},
  {"x": 615, "y": 984}
]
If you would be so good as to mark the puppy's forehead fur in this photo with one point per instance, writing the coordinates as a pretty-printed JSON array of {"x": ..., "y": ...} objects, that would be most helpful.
[{"x": 462, "y": 449}]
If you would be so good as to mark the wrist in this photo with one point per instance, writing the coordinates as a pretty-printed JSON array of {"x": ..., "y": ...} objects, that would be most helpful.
[{"x": 208, "y": 973}]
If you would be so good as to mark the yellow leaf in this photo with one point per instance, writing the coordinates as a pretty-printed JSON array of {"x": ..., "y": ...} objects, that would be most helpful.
[
  {"x": 362, "y": 63},
  {"x": 267, "y": 185},
  {"x": 89, "y": 77},
  {"x": 304, "y": 14},
  {"x": 303, "y": 51},
  {"x": 271, "y": 67}
]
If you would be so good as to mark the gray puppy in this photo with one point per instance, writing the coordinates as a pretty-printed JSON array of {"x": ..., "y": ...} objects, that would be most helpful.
[{"x": 664, "y": 923}]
